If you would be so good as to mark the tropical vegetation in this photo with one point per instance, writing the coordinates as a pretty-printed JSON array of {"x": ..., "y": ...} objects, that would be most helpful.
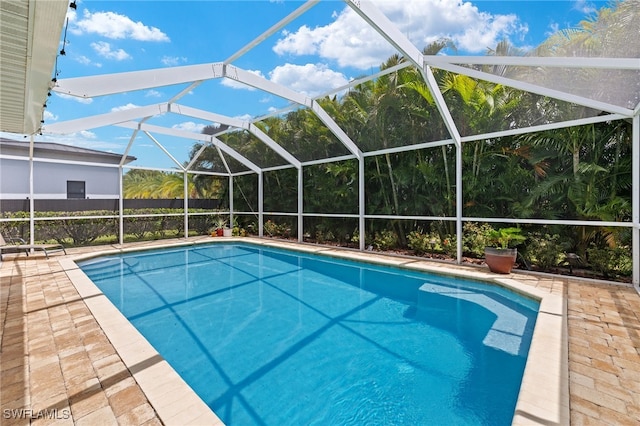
[{"x": 580, "y": 173}]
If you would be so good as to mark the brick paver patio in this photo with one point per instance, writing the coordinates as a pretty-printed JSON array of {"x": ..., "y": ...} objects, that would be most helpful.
[{"x": 57, "y": 365}]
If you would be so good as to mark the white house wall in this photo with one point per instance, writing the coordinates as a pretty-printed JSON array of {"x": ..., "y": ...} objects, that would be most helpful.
[
  {"x": 14, "y": 179},
  {"x": 50, "y": 180}
]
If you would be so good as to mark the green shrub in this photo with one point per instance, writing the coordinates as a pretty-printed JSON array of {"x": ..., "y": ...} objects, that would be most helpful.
[
  {"x": 355, "y": 238},
  {"x": 83, "y": 231},
  {"x": 270, "y": 228},
  {"x": 545, "y": 251},
  {"x": 140, "y": 226},
  {"x": 449, "y": 246},
  {"x": 16, "y": 228},
  {"x": 420, "y": 243},
  {"x": 273, "y": 229},
  {"x": 89, "y": 227},
  {"x": 431, "y": 242},
  {"x": 385, "y": 240},
  {"x": 237, "y": 231},
  {"x": 610, "y": 262},
  {"x": 475, "y": 238},
  {"x": 324, "y": 236}
]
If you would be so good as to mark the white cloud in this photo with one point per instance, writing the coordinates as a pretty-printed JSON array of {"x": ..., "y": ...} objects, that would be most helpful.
[
  {"x": 83, "y": 60},
  {"x": 234, "y": 84},
  {"x": 244, "y": 117},
  {"x": 305, "y": 41},
  {"x": 172, "y": 61},
  {"x": 87, "y": 134},
  {"x": 553, "y": 28},
  {"x": 84, "y": 139},
  {"x": 584, "y": 7},
  {"x": 17, "y": 136},
  {"x": 311, "y": 79},
  {"x": 125, "y": 137},
  {"x": 124, "y": 107},
  {"x": 85, "y": 101},
  {"x": 72, "y": 14},
  {"x": 481, "y": 37},
  {"x": 115, "y": 26},
  {"x": 49, "y": 116},
  {"x": 351, "y": 42},
  {"x": 103, "y": 49},
  {"x": 86, "y": 61},
  {"x": 153, "y": 94},
  {"x": 189, "y": 126}
]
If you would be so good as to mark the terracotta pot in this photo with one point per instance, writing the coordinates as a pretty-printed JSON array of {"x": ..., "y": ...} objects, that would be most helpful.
[
  {"x": 219, "y": 232},
  {"x": 500, "y": 260}
]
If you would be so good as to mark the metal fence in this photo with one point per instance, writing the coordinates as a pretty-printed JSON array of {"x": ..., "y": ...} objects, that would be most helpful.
[{"x": 77, "y": 205}]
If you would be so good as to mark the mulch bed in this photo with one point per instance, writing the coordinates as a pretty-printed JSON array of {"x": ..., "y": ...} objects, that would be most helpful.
[{"x": 575, "y": 272}]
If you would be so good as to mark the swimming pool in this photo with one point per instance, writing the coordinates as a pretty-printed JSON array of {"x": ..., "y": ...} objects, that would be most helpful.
[{"x": 268, "y": 336}]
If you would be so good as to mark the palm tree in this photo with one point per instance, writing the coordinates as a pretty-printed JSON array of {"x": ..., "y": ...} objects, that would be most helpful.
[
  {"x": 608, "y": 33},
  {"x": 591, "y": 176},
  {"x": 141, "y": 183},
  {"x": 146, "y": 184}
]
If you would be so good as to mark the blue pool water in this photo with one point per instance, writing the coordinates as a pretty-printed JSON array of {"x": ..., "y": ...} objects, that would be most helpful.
[{"x": 273, "y": 337}]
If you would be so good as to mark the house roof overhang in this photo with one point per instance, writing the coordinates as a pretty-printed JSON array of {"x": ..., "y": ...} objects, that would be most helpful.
[
  {"x": 60, "y": 151},
  {"x": 29, "y": 35}
]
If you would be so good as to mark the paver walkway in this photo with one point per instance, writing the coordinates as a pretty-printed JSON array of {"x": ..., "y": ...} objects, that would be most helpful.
[{"x": 57, "y": 366}]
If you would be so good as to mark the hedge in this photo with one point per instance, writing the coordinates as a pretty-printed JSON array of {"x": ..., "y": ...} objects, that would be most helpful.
[{"x": 87, "y": 227}]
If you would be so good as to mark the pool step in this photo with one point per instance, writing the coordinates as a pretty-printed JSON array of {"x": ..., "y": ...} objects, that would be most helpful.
[{"x": 507, "y": 330}]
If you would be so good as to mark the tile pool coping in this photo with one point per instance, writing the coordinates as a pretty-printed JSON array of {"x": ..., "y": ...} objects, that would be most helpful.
[{"x": 544, "y": 392}]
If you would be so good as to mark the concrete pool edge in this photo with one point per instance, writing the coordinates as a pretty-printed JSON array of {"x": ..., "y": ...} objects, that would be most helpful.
[
  {"x": 544, "y": 392},
  {"x": 173, "y": 400}
]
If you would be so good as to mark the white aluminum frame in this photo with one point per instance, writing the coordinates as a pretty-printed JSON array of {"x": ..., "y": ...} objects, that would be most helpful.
[{"x": 194, "y": 75}]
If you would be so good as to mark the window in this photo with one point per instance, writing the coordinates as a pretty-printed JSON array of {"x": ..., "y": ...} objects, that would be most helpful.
[{"x": 75, "y": 189}]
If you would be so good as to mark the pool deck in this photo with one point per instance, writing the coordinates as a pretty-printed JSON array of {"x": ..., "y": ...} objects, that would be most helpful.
[{"x": 59, "y": 363}]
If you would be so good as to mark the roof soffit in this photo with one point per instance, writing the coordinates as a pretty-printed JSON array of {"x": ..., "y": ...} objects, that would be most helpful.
[{"x": 30, "y": 32}]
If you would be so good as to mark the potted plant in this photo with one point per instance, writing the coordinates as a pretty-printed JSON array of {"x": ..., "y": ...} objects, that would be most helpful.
[
  {"x": 501, "y": 257},
  {"x": 218, "y": 226}
]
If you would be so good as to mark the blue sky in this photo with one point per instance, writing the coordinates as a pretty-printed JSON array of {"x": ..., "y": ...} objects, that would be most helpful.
[{"x": 323, "y": 49}]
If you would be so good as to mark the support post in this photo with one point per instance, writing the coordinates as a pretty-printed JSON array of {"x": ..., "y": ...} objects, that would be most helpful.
[
  {"x": 300, "y": 205},
  {"x": 120, "y": 207},
  {"x": 635, "y": 200},
  {"x": 185, "y": 178},
  {"x": 32, "y": 215},
  {"x": 459, "y": 201},
  {"x": 230, "y": 201},
  {"x": 260, "y": 205},
  {"x": 361, "y": 202}
]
